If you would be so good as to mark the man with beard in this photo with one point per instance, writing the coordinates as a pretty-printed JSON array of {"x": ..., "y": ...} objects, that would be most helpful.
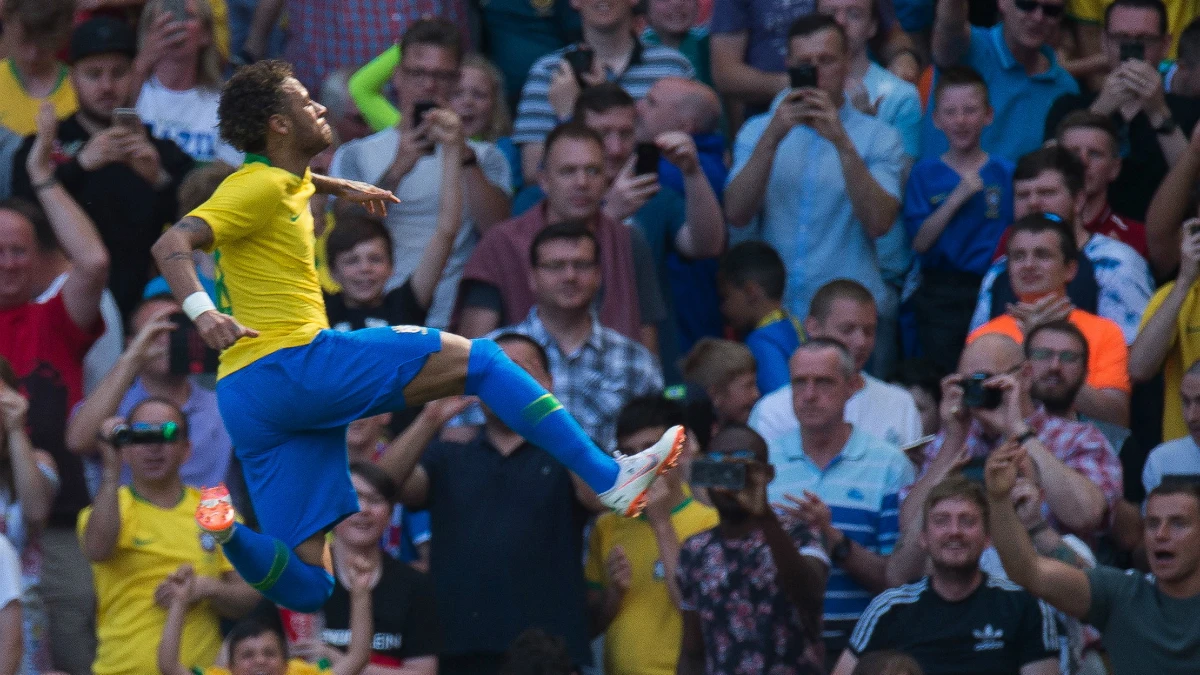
[
  {"x": 774, "y": 567},
  {"x": 1148, "y": 621},
  {"x": 958, "y": 619}
]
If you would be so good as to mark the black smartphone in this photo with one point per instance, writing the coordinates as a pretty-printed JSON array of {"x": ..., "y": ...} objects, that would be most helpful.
[
  {"x": 725, "y": 475},
  {"x": 581, "y": 59},
  {"x": 420, "y": 110},
  {"x": 975, "y": 395},
  {"x": 1133, "y": 50},
  {"x": 802, "y": 76},
  {"x": 973, "y": 471},
  {"x": 647, "y": 159},
  {"x": 187, "y": 353}
]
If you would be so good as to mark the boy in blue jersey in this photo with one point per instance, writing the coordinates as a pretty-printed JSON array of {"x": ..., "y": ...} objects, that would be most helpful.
[
  {"x": 956, "y": 208},
  {"x": 751, "y": 280},
  {"x": 288, "y": 387}
]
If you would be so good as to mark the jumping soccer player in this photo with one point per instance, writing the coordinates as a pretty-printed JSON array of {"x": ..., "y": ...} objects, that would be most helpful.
[{"x": 287, "y": 387}]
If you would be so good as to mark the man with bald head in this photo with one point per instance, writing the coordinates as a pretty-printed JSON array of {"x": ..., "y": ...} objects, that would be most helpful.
[
  {"x": 680, "y": 104},
  {"x": 988, "y": 403},
  {"x": 841, "y": 480}
]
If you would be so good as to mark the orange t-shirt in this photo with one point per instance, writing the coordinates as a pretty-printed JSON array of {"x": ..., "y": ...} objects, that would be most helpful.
[{"x": 1108, "y": 357}]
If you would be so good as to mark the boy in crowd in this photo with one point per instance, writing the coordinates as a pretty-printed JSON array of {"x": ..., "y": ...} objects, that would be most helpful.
[
  {"x": 726, "y": 371},
  {"x": 751, "y": 282},
  {"x": 35, "y": 32},
  {"x": 633, "y": 591},
  {"x": 956, "y": 207}
]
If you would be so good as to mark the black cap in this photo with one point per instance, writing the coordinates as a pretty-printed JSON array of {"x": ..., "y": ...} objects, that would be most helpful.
[{"x": 102, "y": 35}]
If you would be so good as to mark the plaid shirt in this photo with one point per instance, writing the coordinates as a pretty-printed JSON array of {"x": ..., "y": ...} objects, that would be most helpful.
[
  {"x": 599, "y": 378},
  {"x": 1079, "y": 445},
  {"x": 325, "y": 35}
]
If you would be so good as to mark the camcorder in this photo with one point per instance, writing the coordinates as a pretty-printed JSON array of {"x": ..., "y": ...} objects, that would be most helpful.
[{"x": 142, "y": 432}]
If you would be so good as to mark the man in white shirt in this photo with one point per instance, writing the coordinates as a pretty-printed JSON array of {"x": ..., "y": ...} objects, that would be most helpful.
[
  {"x": 844, "y": 310},
  {"x": 1180, "y": 457}
]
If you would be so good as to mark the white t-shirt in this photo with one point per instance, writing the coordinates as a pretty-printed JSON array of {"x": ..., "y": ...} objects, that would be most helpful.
[
  {"x": 883, "y": 410},
  {"x": 1180, "y": 457},
  {"x": 413, "y": 221},
  {"x": 10, "y": 573},
  {"x": 187, "y": 117}
]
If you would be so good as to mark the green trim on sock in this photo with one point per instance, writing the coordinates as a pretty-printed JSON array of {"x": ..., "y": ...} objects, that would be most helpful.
[
  {"x": 540, "y": 409},
  {"x": 277, "y": 566}
]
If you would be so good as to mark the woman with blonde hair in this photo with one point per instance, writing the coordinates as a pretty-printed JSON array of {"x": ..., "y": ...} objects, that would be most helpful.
[{"x": 181, "y": 66}]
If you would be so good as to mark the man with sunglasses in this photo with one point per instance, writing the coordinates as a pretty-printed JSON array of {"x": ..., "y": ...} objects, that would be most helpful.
[
  {"x": 989, "y": 402},
  {"x": 1017, "y": 62},
  {"x": 1153, "y": 126}
]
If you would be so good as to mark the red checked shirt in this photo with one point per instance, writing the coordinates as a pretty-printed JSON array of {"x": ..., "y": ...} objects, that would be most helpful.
[{"x": 1079, "y": 445}]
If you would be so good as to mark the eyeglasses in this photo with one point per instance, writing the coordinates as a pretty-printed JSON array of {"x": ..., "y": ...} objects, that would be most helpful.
[
  {"x": 1064, "y": 356},
  {"x": 557, "y": 266},
  {"x": 743, "y": 455},
  {"x": 443, "y": 76},
  {"x": 1048, "y": 9}
]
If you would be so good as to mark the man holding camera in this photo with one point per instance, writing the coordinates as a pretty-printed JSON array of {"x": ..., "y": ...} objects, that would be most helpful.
[
  {"x": 145, "y": 371},
  {"x": 840, "y": 480},
  {"x": 823, "y": 221},
  {"x": 773, "y": 565},
  {"x": 987, "y": 403},
  {"x": 138, "y": 535}
]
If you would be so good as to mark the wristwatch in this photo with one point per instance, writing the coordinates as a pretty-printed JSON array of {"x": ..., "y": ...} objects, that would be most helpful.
[
  {"x": 1167, "y": 126},
  {"x": 841, "y": 550}
]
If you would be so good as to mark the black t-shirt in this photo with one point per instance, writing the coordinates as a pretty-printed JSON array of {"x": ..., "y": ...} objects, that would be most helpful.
[
  {"x": 129, "y": 213},
  {"x": 399, "y": 308},
  {"x": 406, "y": 624},
  {"x": 994, "y": 631},
  {"x": 1143, "y": 166}
]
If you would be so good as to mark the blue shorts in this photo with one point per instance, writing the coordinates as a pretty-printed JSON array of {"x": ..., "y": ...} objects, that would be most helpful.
[{"x": 287, "y": 414}]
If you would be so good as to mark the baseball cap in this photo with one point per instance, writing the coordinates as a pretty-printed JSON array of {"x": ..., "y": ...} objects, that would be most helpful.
[{"x": 102, "y": 35}]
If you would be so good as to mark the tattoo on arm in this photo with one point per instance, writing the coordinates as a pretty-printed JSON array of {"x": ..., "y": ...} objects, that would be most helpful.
[
  {"x": 197, "y": 232},
  {"x": 178, "y": 255}
]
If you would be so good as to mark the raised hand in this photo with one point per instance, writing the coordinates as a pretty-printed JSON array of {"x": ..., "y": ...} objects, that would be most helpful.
[
  {"x": 13, "y": 408},
  {"x": 620, "y": 571},
  {"x": 1000, "y": 471},
  {"x": 220, "y": 331},
  {"x": 38, "y": 164}
]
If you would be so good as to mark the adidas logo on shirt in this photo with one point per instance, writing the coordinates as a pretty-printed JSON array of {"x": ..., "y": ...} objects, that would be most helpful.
[{"x": 988, "y": 639}]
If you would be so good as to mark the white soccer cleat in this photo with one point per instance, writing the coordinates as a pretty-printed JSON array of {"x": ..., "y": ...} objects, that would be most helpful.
[{"x": 637, "y": 472}]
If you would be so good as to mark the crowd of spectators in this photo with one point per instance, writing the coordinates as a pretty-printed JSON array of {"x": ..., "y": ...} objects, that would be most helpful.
[{"x": 921, "y": 279}]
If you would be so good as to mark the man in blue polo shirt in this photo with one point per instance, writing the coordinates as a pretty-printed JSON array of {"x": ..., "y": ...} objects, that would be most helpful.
[
  {"x": 1016, "y": 61},
  {"x": 840, "y": 480}
]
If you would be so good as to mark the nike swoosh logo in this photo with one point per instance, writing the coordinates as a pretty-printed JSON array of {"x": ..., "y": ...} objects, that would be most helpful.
[
  {"x": 1193, "y": 329},
  {"x": 650, "y": 466},
  {"x": 295, "y": 217},
  {"x": 142, "y": 542}
]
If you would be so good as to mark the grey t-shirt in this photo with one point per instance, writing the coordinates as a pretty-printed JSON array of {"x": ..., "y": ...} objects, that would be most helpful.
[
  {"x": 412, "y": 221},
  {"x": 1145, "y": 631}
]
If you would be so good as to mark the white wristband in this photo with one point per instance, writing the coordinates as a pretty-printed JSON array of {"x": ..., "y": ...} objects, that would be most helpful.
[{"x": 196, "y": 304}]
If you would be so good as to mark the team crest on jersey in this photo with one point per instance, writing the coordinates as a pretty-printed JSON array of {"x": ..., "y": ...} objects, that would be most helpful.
[
  {"x": 207, "y": 542},
  {"x": 991, "y": 197},
  {"x": 660, "y": 570},
  {"x": 410, "y": 329}
]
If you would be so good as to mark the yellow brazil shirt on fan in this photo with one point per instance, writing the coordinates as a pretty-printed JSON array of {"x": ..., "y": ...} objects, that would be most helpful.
[
  {"x": 1182, "y": 352},
  {"x": 263, "y": 243},
  {"x": 647, "y": 619},
  {"x": 294, "y": 667},
  {"x": 18, "y": 110},
  {"x": 152, "y": 544}
]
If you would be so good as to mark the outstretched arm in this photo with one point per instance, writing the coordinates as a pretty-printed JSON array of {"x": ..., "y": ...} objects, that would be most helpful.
[
  {"x": 366, "y": 88},
  {"x": 1056, "y": 582}
]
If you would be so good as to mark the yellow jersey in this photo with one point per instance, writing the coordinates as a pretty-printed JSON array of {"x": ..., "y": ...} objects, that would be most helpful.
[
  {"x": 18, "y": 110},
  {"x": 1183, "y": 351},
  {"x": 294, "y": 667},
  {"x": 264, "y": 252},
  {"x": 648, "y": 619},
  {"x": 152, "y": 544}
]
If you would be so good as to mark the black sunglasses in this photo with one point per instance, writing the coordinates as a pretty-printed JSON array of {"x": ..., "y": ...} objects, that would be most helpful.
[{"x": 1048, "y": 9}]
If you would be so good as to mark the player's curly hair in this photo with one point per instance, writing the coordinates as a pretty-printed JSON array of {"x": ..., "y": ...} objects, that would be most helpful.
[{"x": 248, "y": 100}]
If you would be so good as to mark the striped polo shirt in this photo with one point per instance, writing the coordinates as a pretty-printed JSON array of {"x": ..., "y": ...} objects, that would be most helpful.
[
  {"x": 862, "y": 488},
  {"x": 647, "y": 65}
]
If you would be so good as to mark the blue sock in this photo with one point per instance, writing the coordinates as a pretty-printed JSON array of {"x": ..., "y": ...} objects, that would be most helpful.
[
  {"x": 275, "y": 571},
  {"x": 528, "y": 409}
]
